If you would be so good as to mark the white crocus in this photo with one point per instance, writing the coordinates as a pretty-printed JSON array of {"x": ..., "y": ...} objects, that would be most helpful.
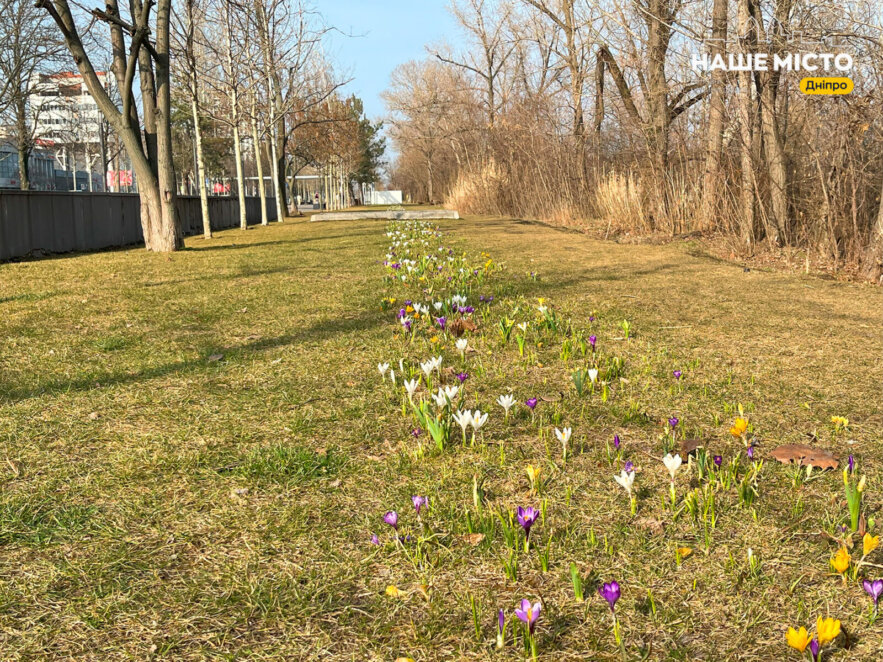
[
  {"x": 464, "y": 420},
  {"x": 451, "y": 392},
  {"x": 382, "y": 368},
  {"x": 593, "y": 374},
  {"x": 523, "y": 326},
  {"x": 672, "y": 463},
  {"x": 563, "y": 435},
  {"x": 439, "y": 398},
  {"x": 438, "y": 305},
  {"x": 478, "y": 420},
  {"x": 461, "y": 345},
  {"x": 506, "y": 402},
  {"x": 427, "y": 367},
  {"x": 392, "y": 377},
  {"x": 436, "y": 362},
  {"x": 626, "y": 479},
  {"x": 411, "y": 387}
]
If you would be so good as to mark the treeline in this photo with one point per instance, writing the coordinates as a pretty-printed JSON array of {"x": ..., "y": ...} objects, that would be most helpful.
[
  {"x": 591, "y": 112},
  {"x": 195, "y": 90}
]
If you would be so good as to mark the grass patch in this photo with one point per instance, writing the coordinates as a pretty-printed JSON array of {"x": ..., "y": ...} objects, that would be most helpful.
[{"x": 290, "y": 464}]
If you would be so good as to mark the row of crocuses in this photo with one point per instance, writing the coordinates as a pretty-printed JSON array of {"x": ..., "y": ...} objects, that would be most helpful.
[{"x": 453, "y": 294}]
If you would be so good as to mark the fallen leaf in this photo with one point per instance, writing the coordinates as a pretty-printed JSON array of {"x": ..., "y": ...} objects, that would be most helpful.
[
  {"x": 424, "y": 590},
  {"x": 654, "y": 526},
  {"x": 805, "y": 456},
  {"x": 93, "y": 416},
  {"x": 690, "y": 445},
  {"x": 459, "y": 326},
  {"x": 472, "y": 539},
  {"x": 684, "y": 552}
]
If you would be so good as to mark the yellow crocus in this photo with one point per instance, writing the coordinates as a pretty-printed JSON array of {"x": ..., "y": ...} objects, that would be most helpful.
[
  {"x": 840, "y": 421},
  {"x": 798, "y": 639},
  {"x": 870, "y": 543},
  {"x": 393, "y": 591},
  {"x": 739, "y": 427},
  {"x": 861, "y": 485},
  {"x": 840, "y": 561},
  {"x": 533, "y": 474},
  {"x": 827, "y": 630}
]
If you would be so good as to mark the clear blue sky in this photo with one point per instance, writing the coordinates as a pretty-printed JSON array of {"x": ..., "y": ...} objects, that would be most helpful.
[{"x": 385, "y": 34}]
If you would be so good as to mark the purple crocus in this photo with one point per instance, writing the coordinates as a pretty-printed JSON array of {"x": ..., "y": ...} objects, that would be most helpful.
[
  {"x": 416, "y": 432},
  {"x": 419, "y": 502},
  {"x": 874, "y": 589},
  {"x": 442, "y": 322},
  {"x": 814, "y": 648},
  {"x": 400, "y": 314},
  {"x": 751, "y": 452},
  {"x": 374, "y": 539},
  {"x": 462, "y": 376},
  {"x": 718, "y": 460},
  {"x": 531, "y": 403},
  {"x": 673, "y": 422},
  {"x": 611, "y": 593},
  {"x": 406, "y": 324},
  {"x": 591, "y": 318},
  {"x": 392, "y": 518},
  {"x": 616, "y": 441},
  {"x": 629, "y": 466},
  {"x": 592, "y": 341},
  {"x": 528, "y": 614},
  {"x": 851, "y": 462},
  {"x": 677, "y": 374},
  {"x": 526, "y": 518}
]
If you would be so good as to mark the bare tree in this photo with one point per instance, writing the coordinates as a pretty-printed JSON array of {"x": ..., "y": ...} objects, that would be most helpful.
[
  {"x": 148, "y": 52},
  {"x": 28, "y": 45}
]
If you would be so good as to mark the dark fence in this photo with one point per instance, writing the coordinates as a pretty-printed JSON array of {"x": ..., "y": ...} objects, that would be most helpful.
[{"x": 42, "y": 221}]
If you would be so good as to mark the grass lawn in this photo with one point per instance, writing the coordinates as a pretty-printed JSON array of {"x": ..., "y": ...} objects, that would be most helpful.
[{"x": 197, "y": 449}]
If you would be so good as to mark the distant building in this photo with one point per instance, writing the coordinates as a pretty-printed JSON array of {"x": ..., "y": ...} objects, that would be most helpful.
[
  {"x": 69, "y": 122},
  {"x": 41, "y": 171}
]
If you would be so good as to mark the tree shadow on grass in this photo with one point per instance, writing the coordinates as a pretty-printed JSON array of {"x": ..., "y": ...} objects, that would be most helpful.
[
  {"x": 317, "y": 332},
  {"x": 280, "y": 242}
]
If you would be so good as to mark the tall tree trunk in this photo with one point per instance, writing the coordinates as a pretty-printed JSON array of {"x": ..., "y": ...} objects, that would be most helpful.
[
  {"x": 24, "y": 145},
  {"x": 200, "y": 162},
  {"x": 746, "y": 131},
  {"x": 234, "y": 113},
  {"x": 873, "y": 259},
  {"x": 256, "y": 142},
  {"x": 168, "y": 235},
  {"x": 711, "y": 181}
]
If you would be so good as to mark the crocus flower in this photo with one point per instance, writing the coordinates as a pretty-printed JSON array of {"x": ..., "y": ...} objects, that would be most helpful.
[
  {"x": 442, "y": 322},
  {"x": 374, "y": 539},
  {"x": 419, "y": 502},
  {"x": 851, "y": 462},
  {"x": 501, "y": 627},
  {"x": 531, "y": 403},
  {"x": 593, "y": 374},
  {"x": 672, "y": 463},
  {"x": 416, "y": 432},
  {"x": 814, "y": 648},
  {"x": 411, "y": 387},
  {"x": 673, "y": 422},
  {"x": 383, "y": 367},
  {"x": 462, "y": 376},
  {"x": 840, "y": 561},
  {"x": 528, "y": 614},
  {"x": 629, "y": 466},
  {"x": 869, "y": 543},
  {"x": 798, "y": 639},
  {"x": 739, "y": 427},
  {"x": 751, "y": 452},
  {"x": 392, "y": 518},
  {"x": 426, "y": 367},
  {"x": 526, "y": 518},
  {"x": 874, "y": 589},
  {"x": 461, "y": 345},
  {"x": 591, "y": 318},
  {"x": 478, "y": 420},
  {"x": 593, "y": 340},
  {"x": 616, "y": 441},
  {"x": 611, "y": 593},
  {"x": 827, "y": 629},
  {"x": 563, "y": 435},
  {"x": 626, "y": 479},
  {"x": 677, "y": 374},
  {"x": 463, "y": 419},
  {"x": 718, "y": 460},
  {"x": 506, "y": 402}
]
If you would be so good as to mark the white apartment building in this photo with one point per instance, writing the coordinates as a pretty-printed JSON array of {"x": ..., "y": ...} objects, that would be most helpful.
[{"x": 68, "y": 119}]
